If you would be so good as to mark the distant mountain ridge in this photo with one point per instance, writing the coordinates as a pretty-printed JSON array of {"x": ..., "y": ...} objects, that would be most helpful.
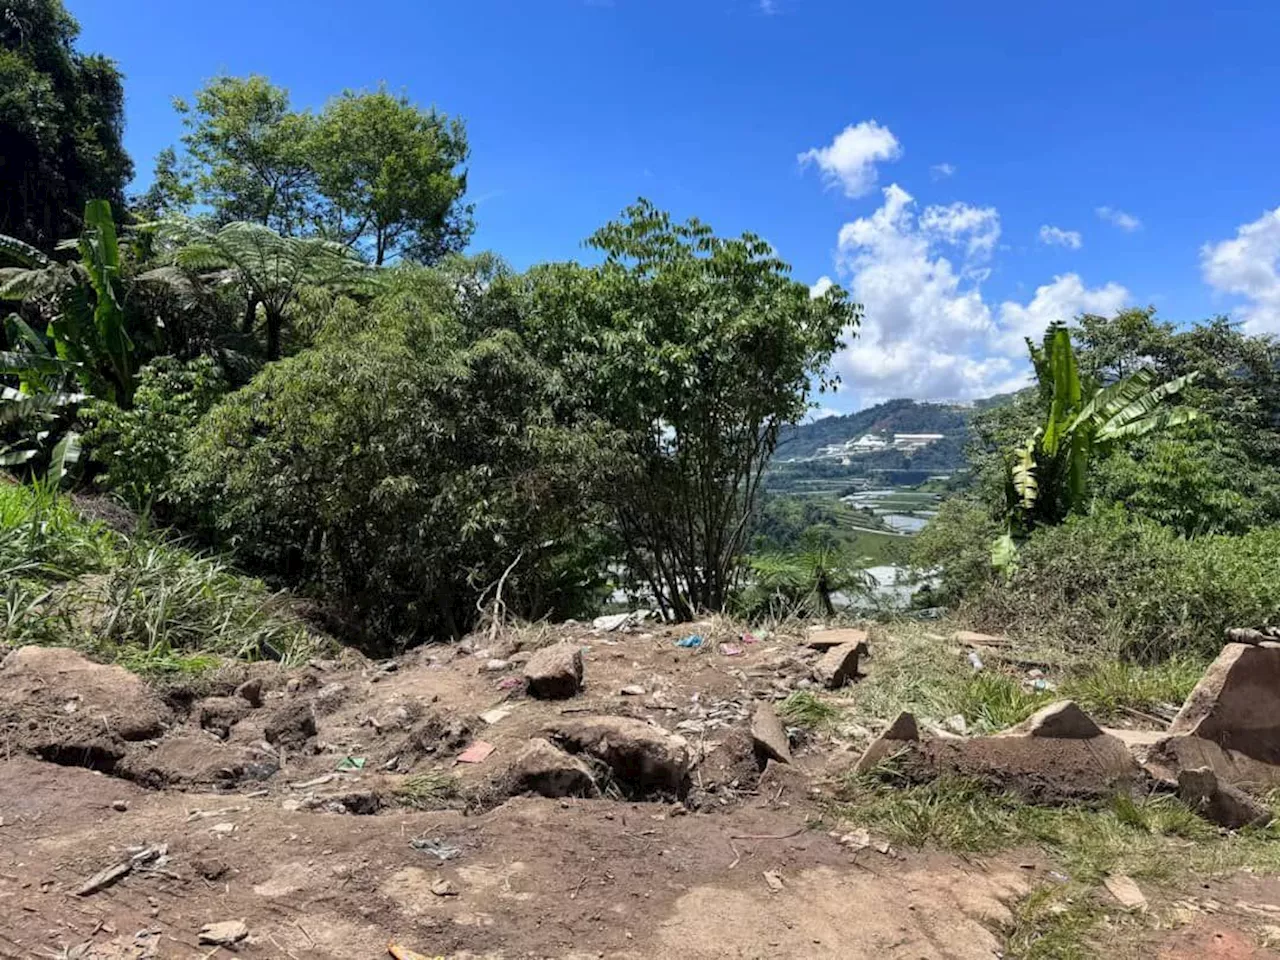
[{"x": 892, "y": 416}]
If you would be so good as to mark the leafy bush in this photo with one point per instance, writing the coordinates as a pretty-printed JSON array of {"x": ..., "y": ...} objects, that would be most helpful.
[
  {"x": 142, "y": 447},
  {"x": 400, "y": 467},
  {"x": 1130, "y": 586}
]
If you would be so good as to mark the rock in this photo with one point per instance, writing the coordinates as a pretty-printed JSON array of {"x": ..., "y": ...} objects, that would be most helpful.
[
  {"x": 1126, "y": 892},
  {"x": 769, "y": 735},
  {"x": 774, "y": 880},
  {"x": 902, "y": 731},
  {"x": 1168, "y": 755},
  {"x": 1236, "y": 704},
  {"x": 839, "y": 665},
  {"x": 1062, "y": 720},
  {"x": 827, "y": 639},
  {"x": 555, "y": 672},
  {"x": 251, "y": 692},
  {"x": 120, "y": 806},
  {"x": 1219, "y": 802},
  {"x": 632, "y": 690},
  {"x": 496, "y": 715},
  {"x": 444, "y": 888},
  {"x": 219, "y": 714},
  {"x": 643, "y": 759},
  {"x": 223, "y": 934},
  {"x": 545, "y": 769},
  {"x": 497, "y": 666},
  {"x": 291, "y": 725}
]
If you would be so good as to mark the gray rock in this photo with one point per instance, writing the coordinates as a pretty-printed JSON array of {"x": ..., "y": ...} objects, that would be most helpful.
[
  {"x": 839, "y": 665},
  {"x": 1219, "y": 802},
  {"x": 1236, "y": 704},
  {"x": 223, "y": 934},
  {"x": 769, "y": 735},
  {"x": 1062, "y": 720},
  {"x": 545, "y": 769},
  {"x": 555, "y": 672}
]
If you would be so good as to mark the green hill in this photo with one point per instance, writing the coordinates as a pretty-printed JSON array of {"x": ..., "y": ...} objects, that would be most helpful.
[{"x": 892, "y": 416}]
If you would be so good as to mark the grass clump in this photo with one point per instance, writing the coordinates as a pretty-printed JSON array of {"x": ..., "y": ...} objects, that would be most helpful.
[
  {"x": 1113, "y": 685},
  {"x": 1054, "y": 923},
  {"x": 150, "y": 605},
  {"x": 427, "y": 791},
  {"x": 805, "y": 709}
]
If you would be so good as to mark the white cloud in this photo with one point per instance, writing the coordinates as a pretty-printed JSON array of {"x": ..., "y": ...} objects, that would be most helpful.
[
  {"x": 940, "y": 171},
  {"x": 1056, "y": 236},
  {"x": 1249, "y": 266},
  {"x": 1118, "y": 218},
  {"x": 822, "y": 286},
  {"x": 849, "y": 161},
  {"x": 929, "y": 333},
  {"x": 821, "y": 413}
]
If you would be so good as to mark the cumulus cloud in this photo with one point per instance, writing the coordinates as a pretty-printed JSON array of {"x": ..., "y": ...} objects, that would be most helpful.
[
  {"x": 822, "y": 286},
  {"x": 849, "y": 161},
  {"x": 929, "y": 332},
  {"x": 1056, "y": 236},
  {"x": 1118, "y": 218},
  {"x": 1249, "y": 266},
  {"x": 940, "y": 171}
]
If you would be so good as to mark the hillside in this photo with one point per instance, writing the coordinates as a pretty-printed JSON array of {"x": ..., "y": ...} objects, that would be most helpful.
[{"x": 893, "y": 416}]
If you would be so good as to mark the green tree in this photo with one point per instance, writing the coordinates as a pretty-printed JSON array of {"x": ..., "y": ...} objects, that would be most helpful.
[
  {"x": 245, "y": 158},
  {"x": 389, "y": 176},
  {"x": 269, "y": 270},
  {"x": 61, "y": 122},
  {"x": 697, "y": 349},
  {"x": 809, "y": 579}
]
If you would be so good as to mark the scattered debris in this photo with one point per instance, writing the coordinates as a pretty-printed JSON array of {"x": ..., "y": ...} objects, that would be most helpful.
[
  {"x": 855, "y": 840},
  {"x": 105, "y": 878},
  {"x": 1126, "y": 892},
  {"x": 224, "y": 934},
  {"x": 496, "y": 715},
  {"x": 478, "y": 752},
  {"x": 350, "y": 763},
  {"x": 975, "y": 661},
  {"x": 437, "y": 848},
  {"x": 769, "y": 736},
  {"x": 444, "y": 888},
  {"x": 729, "y": 650},
  {"x": 555, "y": 672},
  {"x": 839, "y": 665},
  {"x": 691, "y": 642},
  {"x": 619, "y": 621},
  {"x": 632, "y": 690},
  {"x": 511, "y": 683}
]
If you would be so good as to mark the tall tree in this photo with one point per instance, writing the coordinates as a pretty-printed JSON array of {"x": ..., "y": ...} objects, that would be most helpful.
[
  {"x": 389, "y": 175},
  {"x": 245, "y": 157},
  {"x": 61, "y": 122},
  {"x": 697, "y": 349}
]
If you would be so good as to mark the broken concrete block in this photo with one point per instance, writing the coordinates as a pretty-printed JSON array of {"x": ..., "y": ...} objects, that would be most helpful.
[
  {"x": 555, "y": 672},
  {"x": 1236, "y": 704},
  {"x": 545, "y": 769},
  {"x": 223, "y": 934},
  {"x": 1219, "y": 802},
  {"x": 645, "y": 759},
  {"x": 1063, "y": 720},
  {"x": 902, "y": 731},
  {"x": 827, "y": 639},
  {"x": 839, "y": 665},
  {"x": 769, "y": 735},
  {"x": 1168, "y": 755}
]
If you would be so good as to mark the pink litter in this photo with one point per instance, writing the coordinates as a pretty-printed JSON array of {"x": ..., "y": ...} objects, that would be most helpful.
[
  {"x": 510, "y": 683},
  {"x": 478, "y": 752},
  {"x": 749, "y": 638},
  {"x": 729, "y": 650}
]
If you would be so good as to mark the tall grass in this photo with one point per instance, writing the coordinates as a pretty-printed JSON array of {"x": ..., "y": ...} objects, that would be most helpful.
[{"x": 151, "y": 604}]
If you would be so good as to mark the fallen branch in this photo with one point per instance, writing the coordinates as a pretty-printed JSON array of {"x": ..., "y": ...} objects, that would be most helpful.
[{"x": 767, "y": 836}]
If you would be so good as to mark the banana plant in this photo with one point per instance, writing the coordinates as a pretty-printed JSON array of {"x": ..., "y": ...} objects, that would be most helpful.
[{"x": 1047, "y": 476}]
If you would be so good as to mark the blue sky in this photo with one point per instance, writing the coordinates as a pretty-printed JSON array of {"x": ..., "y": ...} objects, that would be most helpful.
[{"x": 912, "y": 152}]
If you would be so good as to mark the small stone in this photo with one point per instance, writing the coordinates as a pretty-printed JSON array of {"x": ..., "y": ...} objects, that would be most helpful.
[
  {"x": 555, "y": 672},
  {"x": 774, "y": 880},
  {"x": 119, "y": 806},
  {"x": 251, "y": 692},
  {"x": 956, "y": 724},
  {"x": 497, "y": 666},
  {"x": 769, "y": 735},
  {"x": 1063, "y": 720},
  {"x": 444, "y": 888},
  {"x": 494, "y": 716},
  {"x": 223, "y": 829},
  {"x": 223, "y": 934},
  {"x": 634, "y": 690},
  {"x": 1126, "y": 892}
]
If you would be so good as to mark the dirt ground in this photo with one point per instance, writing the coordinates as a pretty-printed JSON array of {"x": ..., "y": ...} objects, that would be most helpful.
[{"x": 216, "y": 810}]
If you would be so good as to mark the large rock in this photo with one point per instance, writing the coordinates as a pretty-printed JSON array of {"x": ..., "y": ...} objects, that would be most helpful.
[
  {"x": 903, "y": 731},
  {"x": 1040, "y": 769},
  {"x": 1219, "y": 802},
  {"x": 545, "y": 769},
  {"x": 643, "y": 759},
  {"x": 555, "y": 672},
  {"x": 769, "y": 736},
  {"x": 1168, "y": 755},
  {"x": 292, "y": 725},
  {"x": 1236, "y": 704},
  {"x": 839, "y": 665},
  {"x": 828, "y": 639},
  {"x": 1063, "y": 720},
  {"x": 219, "y": 714}
]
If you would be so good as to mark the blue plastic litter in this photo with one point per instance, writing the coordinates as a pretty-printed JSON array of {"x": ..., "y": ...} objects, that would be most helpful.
[{"x": 693, "y": 641}]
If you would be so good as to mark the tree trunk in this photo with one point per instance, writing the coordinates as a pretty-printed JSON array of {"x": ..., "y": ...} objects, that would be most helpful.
[
  {"x": 250, "y": 316},
  {"x": 274, "y": 323}
]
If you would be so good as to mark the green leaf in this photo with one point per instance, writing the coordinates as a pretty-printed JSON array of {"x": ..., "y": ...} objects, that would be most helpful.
[{"x": 65, "y": 455}]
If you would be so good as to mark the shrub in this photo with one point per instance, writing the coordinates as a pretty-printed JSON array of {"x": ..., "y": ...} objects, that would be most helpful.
[{"x": 401, "y": 467}]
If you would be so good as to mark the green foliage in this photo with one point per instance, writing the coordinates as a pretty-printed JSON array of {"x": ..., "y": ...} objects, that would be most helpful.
[
  {"x": 145, "y": 603},
  {"x": 805, "y": 709},
  {"x": 399, "y": 466},
  {"x": 698, "y": 349},
  {"x": 804, "y": 582},
  {"x": 140, "y": 448},
  {"x": 61, "y": 124},
  {"x": 386, "y": 171},
  {"x": 892, "y": 416}
]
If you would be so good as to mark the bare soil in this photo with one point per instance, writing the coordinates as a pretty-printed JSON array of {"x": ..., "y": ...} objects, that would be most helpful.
[{"x": 224, "y": 811}]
